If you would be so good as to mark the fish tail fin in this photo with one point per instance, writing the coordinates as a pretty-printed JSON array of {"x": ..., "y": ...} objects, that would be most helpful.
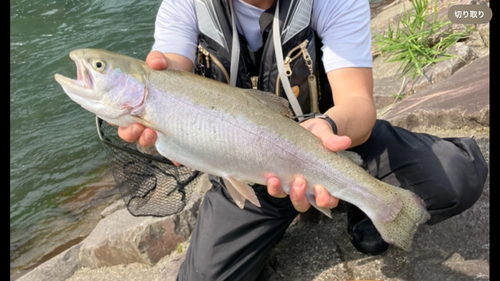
[{"x": 400, "y": 231}]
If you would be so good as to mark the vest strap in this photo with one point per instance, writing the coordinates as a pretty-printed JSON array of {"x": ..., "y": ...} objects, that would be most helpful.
[
  {"x": 297, "y": 110},
  {"x": 235, "y": 49}
]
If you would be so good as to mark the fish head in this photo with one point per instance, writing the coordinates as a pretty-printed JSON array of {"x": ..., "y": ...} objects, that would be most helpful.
[{"x": 109, "y": 85}]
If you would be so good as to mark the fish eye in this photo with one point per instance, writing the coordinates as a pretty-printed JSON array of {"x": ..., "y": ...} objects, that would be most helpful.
[{"x": 98, "y": 65}]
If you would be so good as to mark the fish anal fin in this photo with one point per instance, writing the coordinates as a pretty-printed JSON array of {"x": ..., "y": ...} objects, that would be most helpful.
[
  {"x": 243, "y": 189},
  {"x": 312, "y": 200}
]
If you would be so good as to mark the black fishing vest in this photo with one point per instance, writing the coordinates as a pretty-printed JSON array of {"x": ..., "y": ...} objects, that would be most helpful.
[{"x": 258, "y": 70}]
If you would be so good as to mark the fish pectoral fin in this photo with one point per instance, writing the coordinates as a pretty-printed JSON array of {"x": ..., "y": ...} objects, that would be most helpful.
[
  {"x": 312, "y": 200},
  {"x": 237, "y": 197},
  {"x": 145, "y": 150},
  {"x": 144, "y": 122},
  {"x": 151, "y": 126},
  {"x": 239, "y": 190}
]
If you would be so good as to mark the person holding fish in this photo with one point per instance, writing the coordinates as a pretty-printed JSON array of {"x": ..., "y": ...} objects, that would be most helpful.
[{"x": 322, "y": 49}]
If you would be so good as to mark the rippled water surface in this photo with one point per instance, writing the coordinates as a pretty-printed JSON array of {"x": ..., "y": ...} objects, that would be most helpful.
[
  {"x": 58, "y": 171},
  {"x": 57, "y": 164}
]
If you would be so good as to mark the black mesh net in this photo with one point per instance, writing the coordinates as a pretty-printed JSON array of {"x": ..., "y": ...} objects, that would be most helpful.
[{"x": 149, "y": 184}]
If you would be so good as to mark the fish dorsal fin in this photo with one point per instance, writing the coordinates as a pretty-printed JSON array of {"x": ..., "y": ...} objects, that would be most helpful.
[
  {"x": 240, "y": 191},
  {"x": 272, "y": 101},
  {"x": 351, "y": 155}
]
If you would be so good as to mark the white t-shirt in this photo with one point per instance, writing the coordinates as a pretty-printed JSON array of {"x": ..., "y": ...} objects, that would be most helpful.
[{"x": 342, "y": 25}]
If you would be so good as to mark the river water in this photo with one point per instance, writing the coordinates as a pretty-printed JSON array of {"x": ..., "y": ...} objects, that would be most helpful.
[{"x": 59, "y": 179}]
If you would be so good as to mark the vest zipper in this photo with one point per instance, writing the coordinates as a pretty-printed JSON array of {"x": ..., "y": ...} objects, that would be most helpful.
[
  {"x": 289, "y": 59},
  {"x": 214, "y": 60}
]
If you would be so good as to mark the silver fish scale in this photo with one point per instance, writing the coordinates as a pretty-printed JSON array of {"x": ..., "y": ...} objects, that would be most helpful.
[{"x": 209, "y": 138}]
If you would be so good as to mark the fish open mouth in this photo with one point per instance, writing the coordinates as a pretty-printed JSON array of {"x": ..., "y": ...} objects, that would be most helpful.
[
  {"x": 83, "y": 76},
  {"x": 83, "y": 84}
]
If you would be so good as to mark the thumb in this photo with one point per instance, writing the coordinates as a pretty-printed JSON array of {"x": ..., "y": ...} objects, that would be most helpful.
[
  {"x": 322, "y": 130},
  {"x": 334, "y": 142},
  {"x": 157, "y": 60}
]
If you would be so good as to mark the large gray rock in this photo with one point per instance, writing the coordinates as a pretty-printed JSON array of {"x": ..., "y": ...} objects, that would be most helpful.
[
  {"x": 121, "y": 238},
  {"x": 58, "y": 268},
  {"x": 443, "y": 69},
  {"x": 459, "y": 102}
]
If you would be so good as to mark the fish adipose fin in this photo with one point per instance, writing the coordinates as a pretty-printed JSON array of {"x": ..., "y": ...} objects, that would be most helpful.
[
  {"x": 400, "y": 231},
  {"x": 240, "y": 191}
]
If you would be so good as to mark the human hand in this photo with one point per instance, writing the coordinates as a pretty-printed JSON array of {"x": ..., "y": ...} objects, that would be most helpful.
[
  {"x": 322, "y": 130},
  {"x": 145, "y": 137}
]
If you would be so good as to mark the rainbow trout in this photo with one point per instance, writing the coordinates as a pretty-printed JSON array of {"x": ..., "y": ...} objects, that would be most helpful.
[{"x": 243, "y": 136}]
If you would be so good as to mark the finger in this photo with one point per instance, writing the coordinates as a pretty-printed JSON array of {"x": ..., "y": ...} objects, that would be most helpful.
[
  {"x": 177, "y": 164},
  {"x": 323, "y": 130},
  {"x": 147, "y": 138},
  {"x": 324, "y": 199},
  {"x": 130, "y": 133},
  {"x": 336, "y": 143},
  {"x": 274, "y": 188},
  {"x": 298, "y": 195},
  {"x": 157, "y": 60}
]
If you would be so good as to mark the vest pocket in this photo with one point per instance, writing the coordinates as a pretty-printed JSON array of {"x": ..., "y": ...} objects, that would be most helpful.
[
  {"x": 209, "y": 66},
  {"x": 299, "y": 68}
]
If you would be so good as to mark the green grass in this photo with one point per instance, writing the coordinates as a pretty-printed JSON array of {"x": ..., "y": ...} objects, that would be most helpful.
[{"x": 412, "y": 42}]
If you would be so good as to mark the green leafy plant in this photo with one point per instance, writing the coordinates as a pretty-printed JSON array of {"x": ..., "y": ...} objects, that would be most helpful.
[{"x": 418, "y": 40}]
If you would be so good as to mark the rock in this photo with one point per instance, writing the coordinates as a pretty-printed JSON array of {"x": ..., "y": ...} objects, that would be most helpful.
[
  {"x": 121, "y": 238},
  {"x": 459, "y": 102},
  {"x": 389, "y": 16},
  {"x": 443, "y": 69},
  {"x": 484, "y": 32},
  {"x": 117, "y": 205},
  {"x": 171, "y": 268},
  {"x": 59, "y": 268}
]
